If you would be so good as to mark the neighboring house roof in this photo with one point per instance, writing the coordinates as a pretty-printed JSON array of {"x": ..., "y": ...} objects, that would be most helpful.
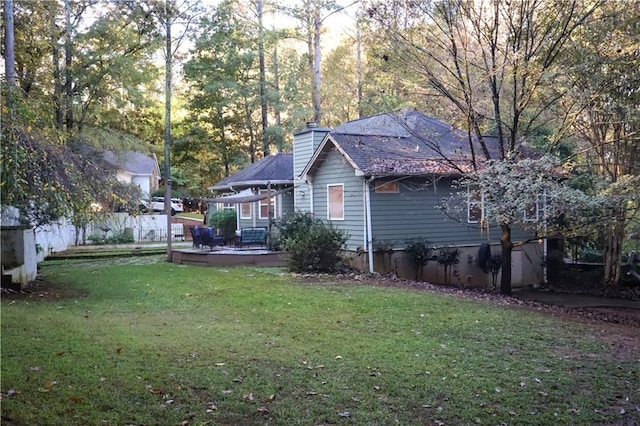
[
  {"x": 133, "y": 162},
  {"x": 276, "y": 169},
  {"x": 406, "y": 142}
]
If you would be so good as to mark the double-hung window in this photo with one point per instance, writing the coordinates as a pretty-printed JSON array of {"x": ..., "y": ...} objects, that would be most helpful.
[
  {"x": 267, "y": 205},
  {"x": 532, "y": 209},
  {"x": 335, "y": 202},
  {"x": 245, "y": 210},
  {"x": 475, "y": 205}
]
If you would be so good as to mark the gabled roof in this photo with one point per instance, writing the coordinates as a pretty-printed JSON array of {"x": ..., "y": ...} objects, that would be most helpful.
[
  {"x": 404, "y": 143},
  {"x": 133, "y": 162},
  {"x": 276, "y": 169}
]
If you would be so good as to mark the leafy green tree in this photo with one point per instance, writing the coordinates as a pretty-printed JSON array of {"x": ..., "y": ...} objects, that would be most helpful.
[
  {"x": 530, "y": 194},
  {"x": 605, "y": 86},
  {"x": 224, "y": 89},
  {"x": 77, "y": 79}
]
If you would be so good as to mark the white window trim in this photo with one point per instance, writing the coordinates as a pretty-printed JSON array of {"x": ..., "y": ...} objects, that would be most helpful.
[
  {"x": 474, "y": 203},
  {"x": 242, "y": 216},
  {"x": 333, "y": 185},
  {"x": 535, "y": 218},
  {"x": 275, "y": 204}
]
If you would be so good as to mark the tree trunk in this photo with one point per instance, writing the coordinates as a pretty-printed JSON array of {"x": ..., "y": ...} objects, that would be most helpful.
[
  {"x": 68, "y": 59},
  {"x": 9, "y": 50},
  {"x": 359, "y": 69},
  {"x": 317, "y": 79},
  {"x": 263, "y": 82},
  {"x": 57, "y": 80},
  {"x": 276, "y": 89},
  {"x": 507, "y": 248},
  {"x": 167, "y": 130},
  {"x": 613, "y": 242}
]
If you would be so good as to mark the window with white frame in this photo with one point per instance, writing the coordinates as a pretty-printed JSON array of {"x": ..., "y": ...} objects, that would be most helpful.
[
  {"x": 532, "y": 209},
  {"x": 245, "y": 211},
  {"x": 475, "y": 205},
  {"x": 335, "y": 202},
  {"x": 390, "y": 187},
  {"x": 267, "y": 205}
]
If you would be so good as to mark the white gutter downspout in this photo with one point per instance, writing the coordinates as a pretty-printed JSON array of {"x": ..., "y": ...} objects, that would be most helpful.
[{"x": 368, "y": 236}]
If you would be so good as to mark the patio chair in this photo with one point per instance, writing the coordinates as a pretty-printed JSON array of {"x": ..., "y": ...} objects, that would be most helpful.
[
  {"x": 196, "y": 236},
  {"x": 209, "y": 239}
]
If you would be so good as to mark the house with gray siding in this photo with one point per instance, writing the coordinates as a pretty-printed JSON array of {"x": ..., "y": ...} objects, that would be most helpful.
[
  {"x": 136, "y": 168},
  {"x": 382, "y": 179}
]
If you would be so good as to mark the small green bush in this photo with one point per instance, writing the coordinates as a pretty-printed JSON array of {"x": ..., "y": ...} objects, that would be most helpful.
[
  {"x": 118, "y": 238},
  {"x": 311, "y": 245},
  {"x": 224, "y": 221},
  {"x": 289, "y": 226},
  {"x": 419, "y": 252},
  {"x": 448, "y": 257}
]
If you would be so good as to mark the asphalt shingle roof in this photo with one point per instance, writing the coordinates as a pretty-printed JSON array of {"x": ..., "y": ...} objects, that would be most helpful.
[
  {"x": 406, "y": 143},
  {"x": 131, "y": 161},
  {"x": 277, "y": 169}
]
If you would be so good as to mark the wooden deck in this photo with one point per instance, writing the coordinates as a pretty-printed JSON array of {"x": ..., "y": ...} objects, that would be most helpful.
[{"x": 228, "y": 257}]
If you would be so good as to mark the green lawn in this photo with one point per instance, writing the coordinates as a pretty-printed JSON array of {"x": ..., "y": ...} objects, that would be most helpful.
[
  {"x": 191, "y": 215},
  {"x": 163, "y": 344}
]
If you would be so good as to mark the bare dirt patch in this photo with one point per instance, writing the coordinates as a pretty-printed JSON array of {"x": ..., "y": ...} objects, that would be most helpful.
[{"x": 42, "y": 290}]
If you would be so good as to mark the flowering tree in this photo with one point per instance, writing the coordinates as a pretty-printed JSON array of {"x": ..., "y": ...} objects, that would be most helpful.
[{"x": 533, "y": 194}]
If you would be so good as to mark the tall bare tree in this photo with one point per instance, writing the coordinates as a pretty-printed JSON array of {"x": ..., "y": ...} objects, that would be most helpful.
[{"x": 491, "y": 61}]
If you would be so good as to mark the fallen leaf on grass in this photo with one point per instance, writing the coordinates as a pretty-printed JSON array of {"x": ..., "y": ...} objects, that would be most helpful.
[
  {"x": 345, "y": 414},
  {"x": 60, "y": 353},
  {"x": 263, "y": 410},
  {"x": 36, "y": 368},
  {"x": 249, "y": 397}
]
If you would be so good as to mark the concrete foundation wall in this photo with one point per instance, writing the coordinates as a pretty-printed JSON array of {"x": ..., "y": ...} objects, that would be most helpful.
[
  {"x": 19, "y": 258},
  {"x": 526, "y": 267}
]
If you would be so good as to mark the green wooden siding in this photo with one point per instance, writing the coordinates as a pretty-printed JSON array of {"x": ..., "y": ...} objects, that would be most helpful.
[
  {"x": 286, "y": 201},
  {"x": 305, "y": 143},
  {"x": 336, "y": 170},
  {"x": 414, "y": 213}
]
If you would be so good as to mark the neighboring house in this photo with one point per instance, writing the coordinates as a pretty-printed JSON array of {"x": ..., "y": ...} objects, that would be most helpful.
[
  {"x": 136, "y": 168},
  {"x": 260, "y": 191},
  {"x": 381, "y": 179}
]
